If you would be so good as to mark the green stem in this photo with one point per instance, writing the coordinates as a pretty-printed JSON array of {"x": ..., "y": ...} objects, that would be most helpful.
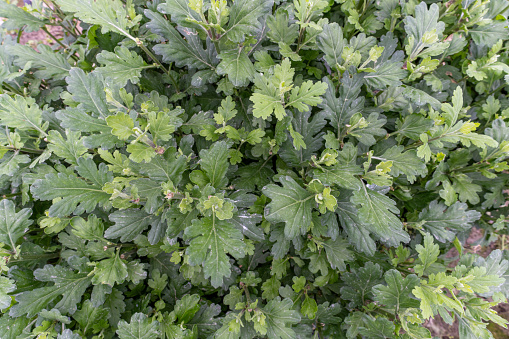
[
  {"x": 12, "y": 89},
  {"x": 154, "y": 58},
  {"x": 25, "y": 150},
  {"x": 36, "y": 257}
]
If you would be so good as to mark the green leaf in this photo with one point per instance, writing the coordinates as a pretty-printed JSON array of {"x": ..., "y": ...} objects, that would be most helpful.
[
  {"x": 214, "y": 163},
  {"x": 13, "y": 225},
  {"x": 366, "y": 135},
  {"x": 358, "y": 284},
  {"x": 237, "y": 66},
  {"x": 71, "y": 148},
  {"x": 246, "y": 18},
  {"x": 444, "y": 223},
  {"x": 280, "y": 318},
  {"x": 140, "y": 327},
  {"x": 330, "y": 41},
  {"x": 357, "y": 232},
  {"x": 67, "y": 284},
  {"x": 340, "y": 109},
  {"x": 211, "y": 240},
  {"x": 180, "y": 12},
  {"x": 17, "y": 18},
  {"x": 424, "y": 21},
  {"x": 168, "y": 166},
  {"x": 140, "y": 152},
  {"x": 76, "y": 119},
  {"x": 20, "y": 112},
  {"x": 182, "y": 52},
  {"x": 77, "y": 195},
  {"x": 110, "y": 271},
  {"x": 495, "y": 264},
  {"x": 413, "y": 126},
  {"x": 490, "y": 33},
  {"x": 48, "y": 64},
  {"x": 270, "y": 288},
  {"x": 388, "y": 67},
  {"x": 110, "y": 15},
  {"x": 309, "y": 307},
  {"x": 10, "y": 328},
  {"x": 407, "y": 163},
  {"x": 11, "y": 162},
  {"x": 379, "y": 328},
  {"x": 90, "y": 229},
  {"x": 344, "y": 173},
  {"x": 337, "y": 253},
  {"x": 129, "y": 223},
  {"x": 280, "y": 29},
  {"x": 428, "y": 254},
  {"x": 396, "y": 295},
  {"x": 88, "y": 90},
  {"x": 311, "y": 131},
  {"x": 121, "y": 66},
  {"x": 290, "y": 204},
  {"x": 91, "y": 317},
  {"x": 6, "y": 286},
  {"x": 377, "y": 213}
]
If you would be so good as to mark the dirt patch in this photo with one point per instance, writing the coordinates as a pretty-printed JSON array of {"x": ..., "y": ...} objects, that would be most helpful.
[{"x": 437, "y": 326}]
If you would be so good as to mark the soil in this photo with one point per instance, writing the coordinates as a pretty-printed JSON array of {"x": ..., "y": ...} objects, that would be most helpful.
[{"x": 438, "y": 327}]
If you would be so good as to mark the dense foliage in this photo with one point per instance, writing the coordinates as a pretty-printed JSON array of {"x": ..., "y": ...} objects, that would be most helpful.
[{"x": 253, "y": 168}]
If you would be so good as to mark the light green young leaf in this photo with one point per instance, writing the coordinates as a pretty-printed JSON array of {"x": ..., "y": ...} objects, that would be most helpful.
[
  {"x": 428, "y": 254},
  {"x": 140, "y": 152},
  {"x": 290, "y": 204},
  {"x": 121, "y": 125},
  {"x": 307, "y": 94}
]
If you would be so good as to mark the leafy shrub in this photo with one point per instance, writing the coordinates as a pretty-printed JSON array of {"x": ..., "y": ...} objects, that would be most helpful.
[{"x": 241, "y": 169}]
